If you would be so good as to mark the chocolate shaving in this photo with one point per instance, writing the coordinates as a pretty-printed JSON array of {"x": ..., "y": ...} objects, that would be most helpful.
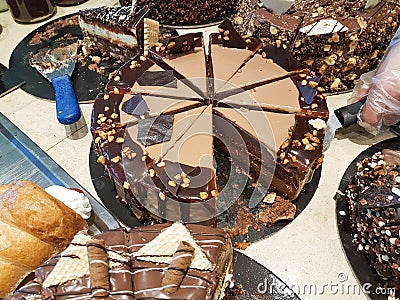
[
  {"x": 177, "y": 270},
  {"x": 135, "y": 106},
  {"x": 98, "y": 267},
  {"x": 158, "y": 78},
  {"x": 155, "y": 130},
  {"x": 307, "y": 91}
]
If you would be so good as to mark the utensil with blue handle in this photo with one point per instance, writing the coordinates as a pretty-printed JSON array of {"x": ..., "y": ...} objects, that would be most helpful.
[{"x": 57, "y": 65}]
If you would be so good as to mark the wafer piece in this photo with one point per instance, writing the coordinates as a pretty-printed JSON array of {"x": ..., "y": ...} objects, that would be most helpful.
[
  {"x": 74, "y": 262},
  {"x": 151, "y": 34},
  {"x": 176, "y": 271},
  {"x": 162, "y": 248},
  {"x": 98, "y": 267}
]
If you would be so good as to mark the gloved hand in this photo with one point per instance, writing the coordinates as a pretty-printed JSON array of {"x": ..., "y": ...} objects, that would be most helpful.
[{"x": 382, "y": 88}]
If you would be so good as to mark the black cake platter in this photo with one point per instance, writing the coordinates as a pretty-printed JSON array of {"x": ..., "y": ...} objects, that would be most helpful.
[
  {"x": 87, "y": 84},
  {"x": 366, "y": 275}
]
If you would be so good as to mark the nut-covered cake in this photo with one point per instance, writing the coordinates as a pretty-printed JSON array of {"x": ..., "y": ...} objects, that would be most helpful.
[
  {"x": 186, "y": 12},
  {"x": 165, "y": 261},
  {"x": 162, "y": 118},
  {"x": 373, "y": 196},
  {"x": 338, "y": 40}
]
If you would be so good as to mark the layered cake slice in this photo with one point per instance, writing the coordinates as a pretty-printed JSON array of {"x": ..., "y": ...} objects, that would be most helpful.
[
  {"x": 373, "y": 198},
  {"x": 169, "y": 261},
  {"x": 113, "y": 30},
  {"x": 175, "y": 180},
  {"x": 229, "y": 53}
]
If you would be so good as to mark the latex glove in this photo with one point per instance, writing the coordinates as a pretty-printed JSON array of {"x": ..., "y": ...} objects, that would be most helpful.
[{"x": 382, "y": 88}]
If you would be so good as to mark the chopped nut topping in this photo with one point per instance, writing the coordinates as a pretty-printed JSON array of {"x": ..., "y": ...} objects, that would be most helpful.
[
  {"x": 171, "y": 45},
  {"x": 97, "y": 140},
  {"x": 101, "y": 160},
  {"x": 314, "y": 105},
  {"x": 114, "y": 115},
  {"x": 172, "y": 183},
  {"x": 273, "y": 30},
  {"x": 103, "y": 119},
  {"x": 126, "y": 185},
  {"x": 117, "y": 78},
  {"x": 106, "y": 108},
  {"x": 214, "y": 193},
  {"x": 296, "y": 143},
  {"x": 285, "y": 161},
  {"x": 116, "y": 159},
  {"x": 184, "y": 185},
  {"x": 152, "y": 172},
  {"x": 119, "y": 140},
  {"x": 226, "y": 38},
  {"x": 116, "y": 90},
  {"x": 226, "y": 32},
  {"x": 161, "y": 195},
  {"x": 186, "y": 180},
  {"x": 309, "y": 147},
  {"x": 110, "y": 138},
  {"x": 305, "y": 141},
  {"x": 282, "y": 155},
  {"x": 313, "y": 84},
  {"x": 142, "y": 58},
  {"x": 304, "y": 82},
  {"x": 183, "y": 174},
  {"x": 178, "y": 177},
  {"x": 270, "y": 198},
  {"x": 203, "y": 195},
  {"x": 285, "y": 144},
  {"x": 161, "y": 164}
]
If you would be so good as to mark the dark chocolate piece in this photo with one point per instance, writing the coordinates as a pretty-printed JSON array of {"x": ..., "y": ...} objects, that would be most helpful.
[
  {"x": 230, "y": 37},
  {"x": 158, "y": 78},
  {"x": 308, "y": 88},
  {"x": 181, "y": 44},
  {"x": 135, "y": 106},
  {"x": 155, "y": 130}
]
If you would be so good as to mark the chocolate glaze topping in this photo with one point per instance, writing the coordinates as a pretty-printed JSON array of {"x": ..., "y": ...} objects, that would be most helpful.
[{"x": 139, "y": 279}]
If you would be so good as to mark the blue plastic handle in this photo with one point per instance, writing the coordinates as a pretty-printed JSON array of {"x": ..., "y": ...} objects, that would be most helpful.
[{"x": 68, "y": 111}]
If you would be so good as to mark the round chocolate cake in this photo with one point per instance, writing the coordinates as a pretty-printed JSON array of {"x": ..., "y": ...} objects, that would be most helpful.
[
  {"x": 373, "y": 196},
  {"x": 163, "y": 117},
  {"x": 338, "y": 40}
]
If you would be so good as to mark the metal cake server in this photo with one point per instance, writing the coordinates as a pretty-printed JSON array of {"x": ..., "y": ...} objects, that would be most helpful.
[
  {"x": 57, "y": 65},
  {"x": 342, "y": 117}
]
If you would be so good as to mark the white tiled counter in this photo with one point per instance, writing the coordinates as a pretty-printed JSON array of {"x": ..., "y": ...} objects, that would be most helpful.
[{"x": 307, "y": 254}]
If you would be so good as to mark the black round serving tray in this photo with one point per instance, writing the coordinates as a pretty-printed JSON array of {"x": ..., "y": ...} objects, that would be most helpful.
[
  {"x": 358, "y": 261},
  {"x": 107, "y": 193},
  {"x": 87, "y": 84}
]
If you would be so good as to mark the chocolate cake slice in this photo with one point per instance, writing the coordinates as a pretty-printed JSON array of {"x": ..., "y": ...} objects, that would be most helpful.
[
  {"x": 373, "y": 197},
  {"x": 113, "y": 30},
  {"x": 141, "y": 263}
]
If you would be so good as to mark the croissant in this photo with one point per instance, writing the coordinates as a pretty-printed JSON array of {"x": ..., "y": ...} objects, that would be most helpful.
[{"x": 33, "y": 227}]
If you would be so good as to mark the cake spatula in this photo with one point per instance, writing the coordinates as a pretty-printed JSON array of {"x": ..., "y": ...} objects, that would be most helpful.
[
  {"x": 342, "y": 117},
  {"x": 57, "y": 65}
]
